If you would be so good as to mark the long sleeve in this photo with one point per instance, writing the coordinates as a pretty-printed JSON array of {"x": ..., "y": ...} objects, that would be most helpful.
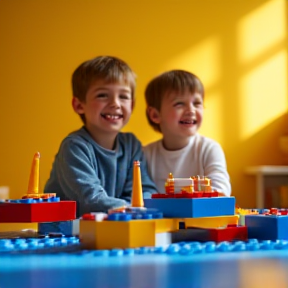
[
  {"x": 202, "y": 156},
  {"x": 77, "y": 176},
  {"x": 215, "y": 168},
  {"x": 97, "y": 178}
]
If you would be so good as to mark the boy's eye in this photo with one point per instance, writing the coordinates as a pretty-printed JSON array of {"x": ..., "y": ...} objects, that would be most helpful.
[
  {"x": 178, "y": 104},
  {"x": 198, "y": 103},
  {"x": 101, "y": 95},
  {"x": 125, "y": 97}
]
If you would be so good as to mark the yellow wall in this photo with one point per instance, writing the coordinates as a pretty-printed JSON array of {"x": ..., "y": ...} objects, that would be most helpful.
[{"x": 238, "y": 48}]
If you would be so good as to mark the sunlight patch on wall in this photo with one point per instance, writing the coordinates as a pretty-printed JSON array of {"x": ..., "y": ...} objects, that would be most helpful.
[
  {"x": 203, "y": 59},
  {"x": 263, "y": 94},
  {"x": 261, "y": 29},
  {"x": 212, "y": 125}
]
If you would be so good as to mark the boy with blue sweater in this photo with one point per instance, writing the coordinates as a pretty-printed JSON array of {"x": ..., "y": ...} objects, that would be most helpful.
[{"x": 94, "y": 165}]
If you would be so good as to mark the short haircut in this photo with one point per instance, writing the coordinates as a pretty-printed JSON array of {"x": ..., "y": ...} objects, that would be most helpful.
[
  {"x": 107, "y": 68},
  {"x": 174, "y": 80}
]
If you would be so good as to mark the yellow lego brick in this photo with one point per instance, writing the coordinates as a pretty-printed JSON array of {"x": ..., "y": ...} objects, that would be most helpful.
[
  {"x": 5, "y": 227},
  {"x": 87, "y": 233},
  {"x": 123, "y": 234},
  {"x": 165, "y": 225},
  {"x": 117, "y": 234},
  {"x": 210, "y": 222}
]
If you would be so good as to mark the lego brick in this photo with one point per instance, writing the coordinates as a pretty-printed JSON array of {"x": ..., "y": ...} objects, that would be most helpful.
[
  {"x": 267, "y": 227},
  {"x": 229, "y": 233},
  {"x": 184, "y": 194},
  {"x": 138, "y": 214},
  {"x": 165, "y": 225},
  {"x": 37, "y": 212},
  {"x": 5, "y": 227},
  {"x": 123, "y": 234},
  {"x": 67, "y": 228},
  {"x": 210, "y": 222},
  {"x": 214, "y": 234},
  {"x": 117, "y": 234},
  {"x": 195, "y": 207},
  {"x": 163, "y": 239}
]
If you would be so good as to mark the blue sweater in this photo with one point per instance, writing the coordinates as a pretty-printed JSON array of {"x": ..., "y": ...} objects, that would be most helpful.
[{"x": 97, "y": 178}]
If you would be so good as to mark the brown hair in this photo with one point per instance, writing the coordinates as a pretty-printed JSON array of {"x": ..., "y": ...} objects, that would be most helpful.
[
  {"x": 108, "y": 68},
  {"x": 174, "y": 80}
]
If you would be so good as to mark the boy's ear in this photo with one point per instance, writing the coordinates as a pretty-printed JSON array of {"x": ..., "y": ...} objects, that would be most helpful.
[
  {"x": 153, "y": 114},
  {"x": 77, "y": 105}
]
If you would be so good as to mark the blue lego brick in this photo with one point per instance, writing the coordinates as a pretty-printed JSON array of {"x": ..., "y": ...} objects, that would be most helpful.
[
  {"x": 127, "y": 216},
  {"x": 193, "y": 208},
  {"x": 64, "y": 227},
  {"x": 267, "y": 227},
  {"x": 32, "y": 200}
]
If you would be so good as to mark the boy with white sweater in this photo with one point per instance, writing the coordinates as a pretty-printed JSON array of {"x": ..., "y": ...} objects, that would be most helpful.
[{"x": 175, "y": 109}]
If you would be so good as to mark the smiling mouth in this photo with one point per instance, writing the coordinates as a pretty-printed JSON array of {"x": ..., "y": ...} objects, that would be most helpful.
[
  {"x": 192, "y": 121},
  {"x": 112, "y": 116}
]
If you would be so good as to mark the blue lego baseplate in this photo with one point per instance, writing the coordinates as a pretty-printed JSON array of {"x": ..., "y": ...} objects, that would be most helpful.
[
  {"x": 182, "y": 265},
  {"x": 190, "y": 248},
  {"x": 193, "y": 208},
  {"x": 72, "y": 245},
  {"x": 45, "y": 245}
]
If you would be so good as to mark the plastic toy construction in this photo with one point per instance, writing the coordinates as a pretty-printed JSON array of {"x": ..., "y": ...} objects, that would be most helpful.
[
  {"x": 242, "y": 212},
  {"x": 39, "y": 245},
  {"x": 193, "y": 187},
  {"x": 139, "y": 226},
  {"x": 33, "y": 186},
  {"x": 267, "y": 227},
  {"x": 137, "y": 198},
  {"x": 194, "y": 207},
  {"x": 35, "y": 206},
  {"x": 229, "y": 233},
  {"x": 67, "y": 228},
  {"x": 145, "y": 226}
]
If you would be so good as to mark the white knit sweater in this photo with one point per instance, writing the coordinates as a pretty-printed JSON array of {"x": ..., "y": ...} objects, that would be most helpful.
[{"x": 202, "y": 156}]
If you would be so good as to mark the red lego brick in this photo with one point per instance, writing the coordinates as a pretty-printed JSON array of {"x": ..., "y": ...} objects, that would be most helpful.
[
  {"x": 37, "y": 212},
  {"x": 184, "y": 194},
  {"x": 229, "y": 233}
]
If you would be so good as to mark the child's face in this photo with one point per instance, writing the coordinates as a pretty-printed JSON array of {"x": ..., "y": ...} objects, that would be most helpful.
[
  {"x": 107, "y": 108},
  {"x": 180, "y": 116}
]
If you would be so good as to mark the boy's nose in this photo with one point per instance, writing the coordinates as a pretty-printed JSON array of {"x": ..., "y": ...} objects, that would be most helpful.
[
  {"x": 114, "y": 102},
  {"x": 191, "y": 110}
]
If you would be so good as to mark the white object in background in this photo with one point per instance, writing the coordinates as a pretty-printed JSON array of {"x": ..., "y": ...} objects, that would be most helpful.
[
  {"x": 277, "y": 174},
  {"x": 4, "y": 192}
]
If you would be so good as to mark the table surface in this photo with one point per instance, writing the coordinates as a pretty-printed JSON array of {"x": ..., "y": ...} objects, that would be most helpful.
[
  {"x": 267, "y": 170},
  {"x": 265, "y": 267}
]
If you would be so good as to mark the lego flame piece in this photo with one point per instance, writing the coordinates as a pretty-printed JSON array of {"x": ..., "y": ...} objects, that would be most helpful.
[
  {"x": 33, "y": 185},
  {"x": 137, "y": 196}
]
